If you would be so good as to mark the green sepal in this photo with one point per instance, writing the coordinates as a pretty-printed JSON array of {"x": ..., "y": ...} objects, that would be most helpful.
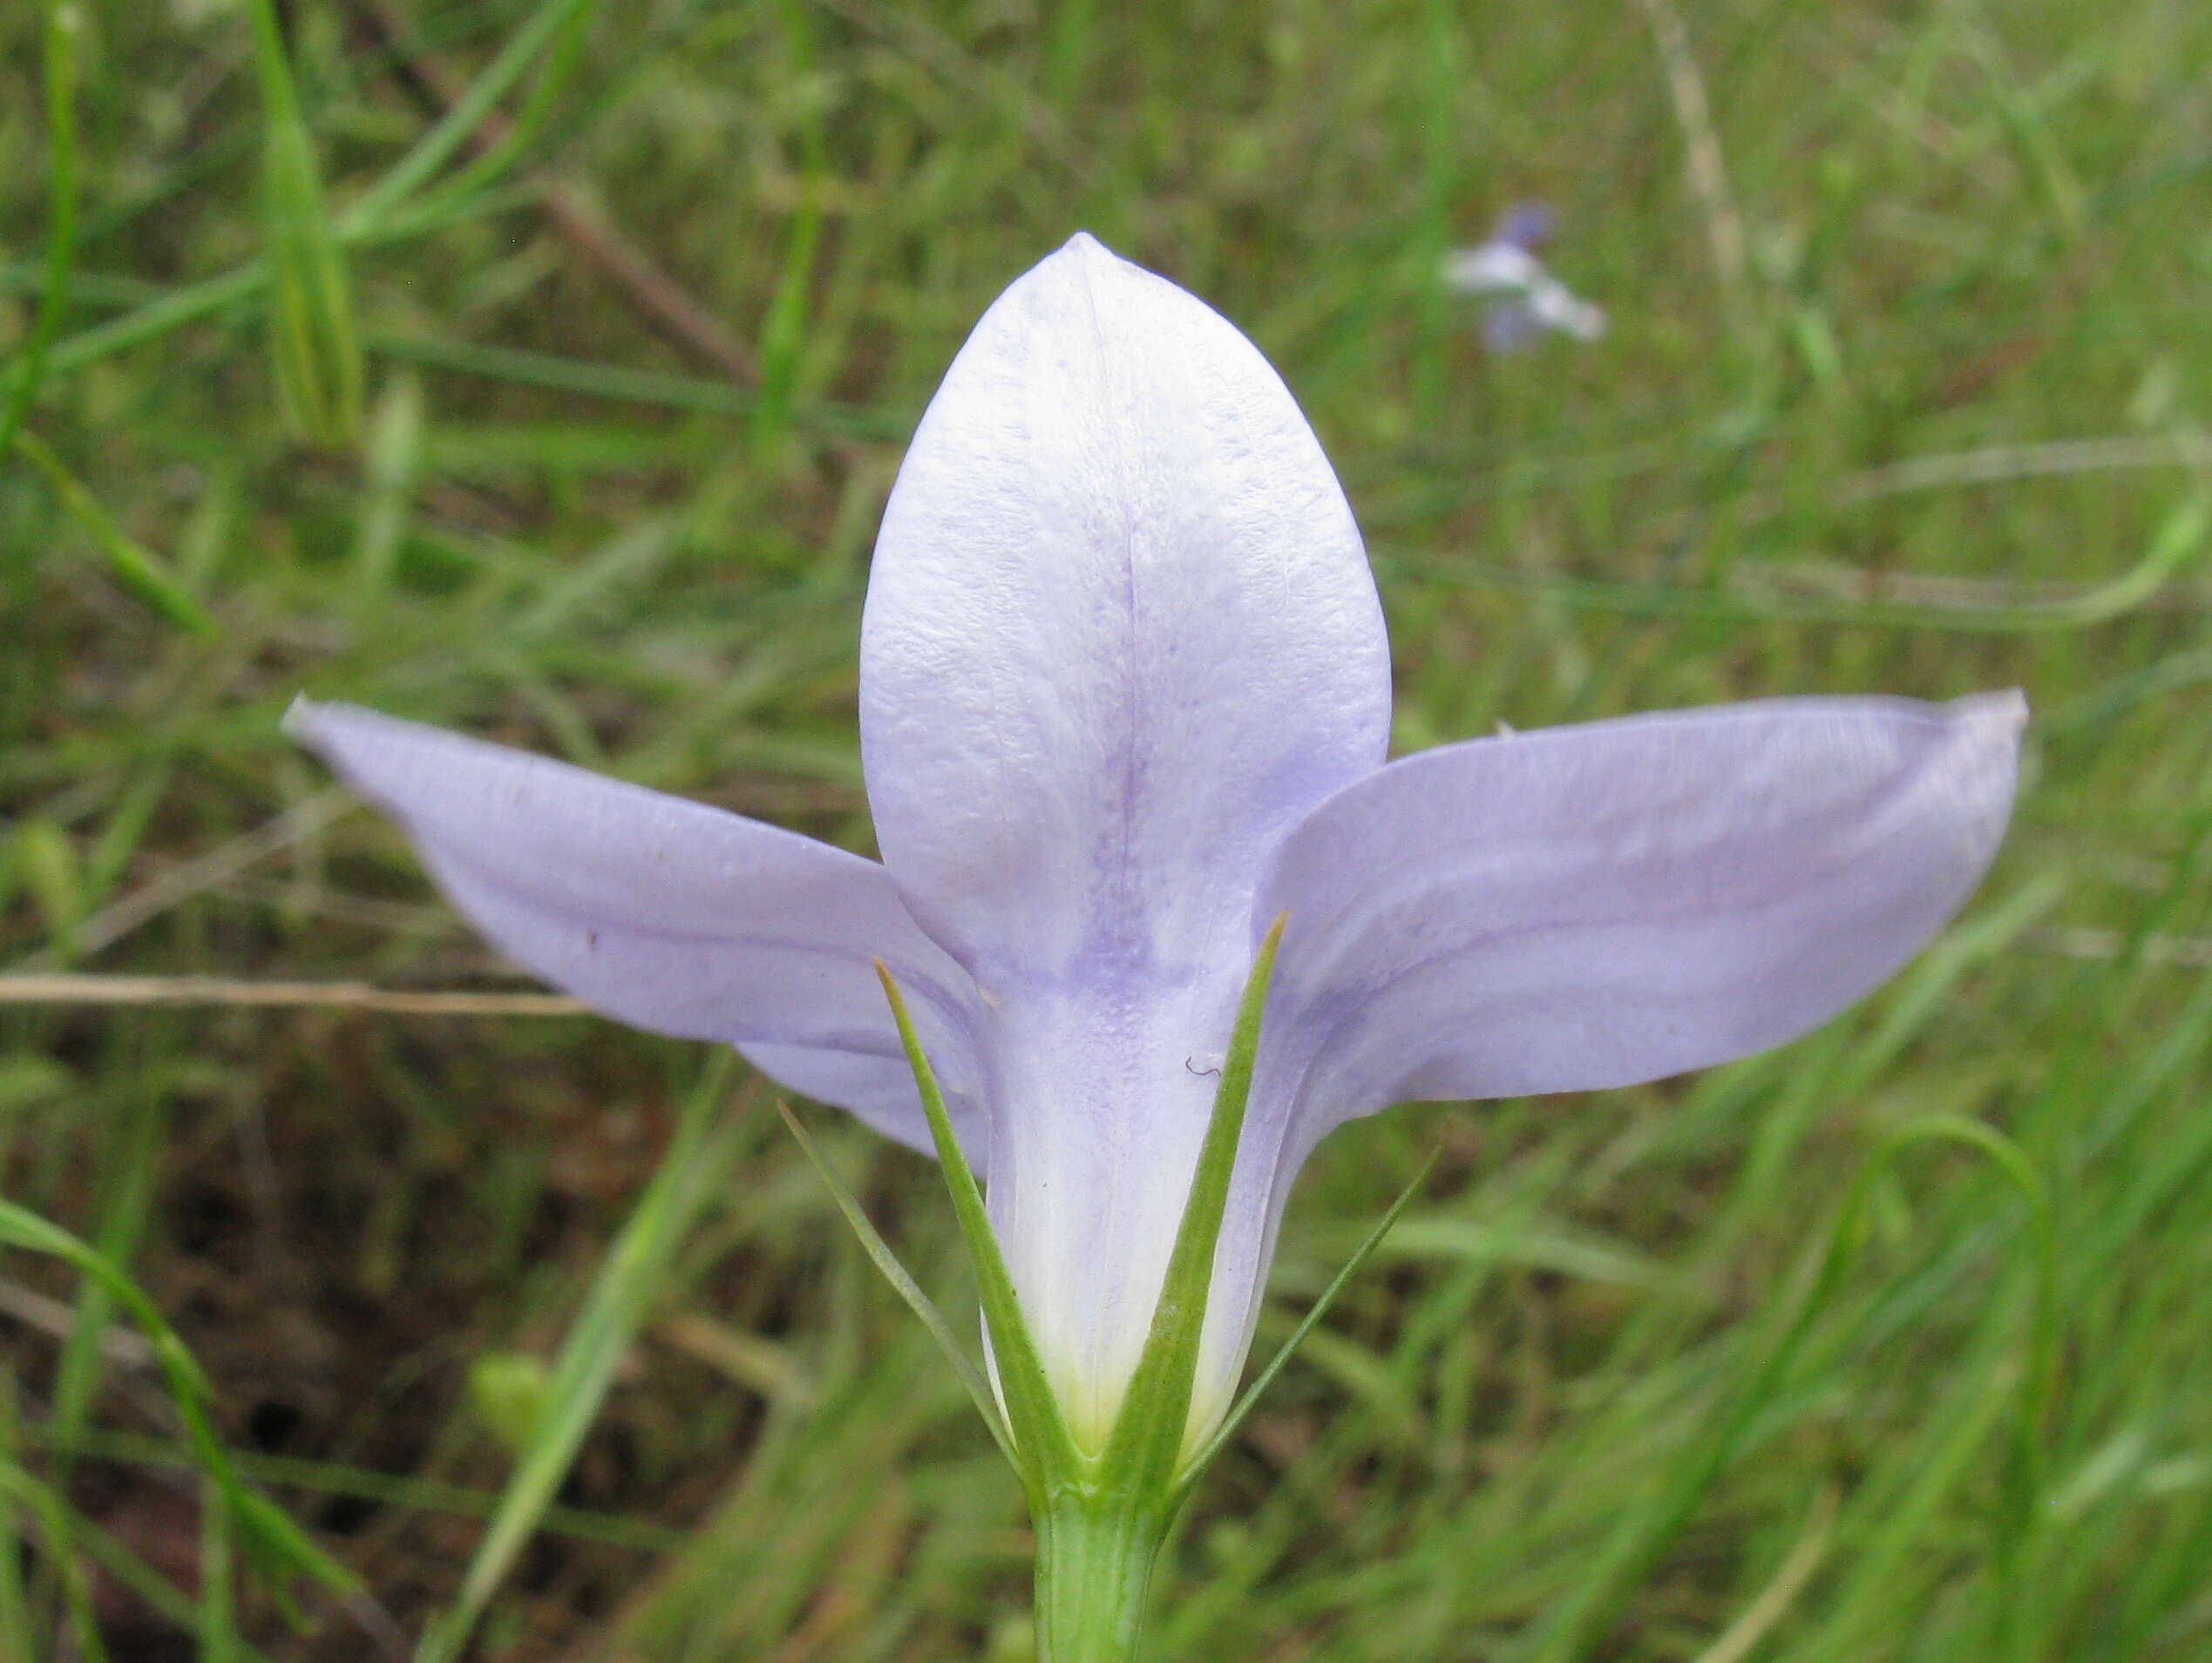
[
  {"x": 1145, "y": 1451},
  {"x": 1044, "y": 1454},
  {"x": 920, "y": 1303},
  {"x": 1318, "y": 1309}
]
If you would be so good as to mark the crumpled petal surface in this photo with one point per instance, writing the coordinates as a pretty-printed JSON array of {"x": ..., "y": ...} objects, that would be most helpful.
[
  {"x": 670, "y": 915},
  {"x": 1591, "y": 906}
]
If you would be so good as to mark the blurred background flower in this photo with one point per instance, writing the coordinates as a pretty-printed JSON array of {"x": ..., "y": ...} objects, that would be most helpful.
[{"x": 1520, "y": 299}]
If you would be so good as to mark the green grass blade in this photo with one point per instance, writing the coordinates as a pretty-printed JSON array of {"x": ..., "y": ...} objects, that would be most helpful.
[
  {"x": 15, "y": 1608},
  {"x": 317, "y": 346},
  {"x": 276, "y": 1548},
  {"x": 394, "y": 467},
  {"x": 701, "y": 394},
  {"x": 620, "y": 1298},
  {"x": 1306, "y": 1324},
  {"x": 366, "y": 220},
  {"x": 1146, "y": 1447},
  {"x": 396, "y": 1489},
  {"x": 1645, "y": 1530},
  {"x": 128, "y": 1166},
  {"x": 563, "y": 56},
  {"x": 120, "y": 1564},
  {"x": 15, "y": 1614},
  {"x": 416, "y": 169},
  {"x": 215, "y": 1620},
  {"x": 52, "y": 1514},
  {"x": 165, "y": 315},
  {"x": 136, "y": 568},
  {"x": 1044, "y": 1450},
  {"x": 29, "y": 367},
  {"x": 784, "y": 333},
  {"x": 2178, "y": 539},
  {"x": 900, "y": 1278}
]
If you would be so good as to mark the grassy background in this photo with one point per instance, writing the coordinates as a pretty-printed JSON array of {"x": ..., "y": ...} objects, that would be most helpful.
[{"x": 1892, "y": 1345}]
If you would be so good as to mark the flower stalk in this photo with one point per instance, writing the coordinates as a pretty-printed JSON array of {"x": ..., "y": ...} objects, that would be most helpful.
[{"x": 1095, "y": 1554}]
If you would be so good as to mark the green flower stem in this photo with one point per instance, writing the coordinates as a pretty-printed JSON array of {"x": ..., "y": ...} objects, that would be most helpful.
[{"x": 1094, "y": 1560}]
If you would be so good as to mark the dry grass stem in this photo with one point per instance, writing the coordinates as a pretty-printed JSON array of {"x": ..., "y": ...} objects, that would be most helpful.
[{"x": 222, "y": 990}]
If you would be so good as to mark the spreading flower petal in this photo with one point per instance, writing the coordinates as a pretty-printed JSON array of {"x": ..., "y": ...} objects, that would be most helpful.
[
  {"x": 878, "y": 1091},
  {"x": 668, "y": 914},
  {"x": 1120, "y": 632},
  {"x": 1591, "y": 906}
]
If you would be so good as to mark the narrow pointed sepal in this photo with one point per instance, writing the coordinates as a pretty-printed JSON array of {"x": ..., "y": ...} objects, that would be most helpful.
[
  {"x": 1153, "y": 1431},
  {"x": 1043, "y": 1452},
  {"x": 903, "y": 1283},
  {"x": 1214, "y": 1445}
]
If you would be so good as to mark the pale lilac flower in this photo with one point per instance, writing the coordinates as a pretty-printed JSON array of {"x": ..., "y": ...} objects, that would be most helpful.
[
  {"x": 1124, "y": 699},
  {"x": 1522, "y": 300}
]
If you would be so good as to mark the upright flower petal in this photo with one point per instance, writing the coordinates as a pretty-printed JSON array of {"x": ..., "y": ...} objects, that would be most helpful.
[
  {"x": 1120, "y": 634},
  {"x": 668, "y": 914},
  {"x": 1594, "y": 905},
  {"x": 1120, "y": 631}
]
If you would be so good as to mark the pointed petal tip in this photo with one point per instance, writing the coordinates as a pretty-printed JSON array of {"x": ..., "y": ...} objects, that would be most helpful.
[
  {"x": 346, "y": 737},
  {"x": 1107, "y": 448},
  {"x": 323, "y": 724},
  {"x": 299, "y": 719},
  {"x": 1985, "y": 742},
  {"x": 1083, "y": 259},
  {"x": 1984, "y": 735},
  {"x": 2006, "y": 709}
]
